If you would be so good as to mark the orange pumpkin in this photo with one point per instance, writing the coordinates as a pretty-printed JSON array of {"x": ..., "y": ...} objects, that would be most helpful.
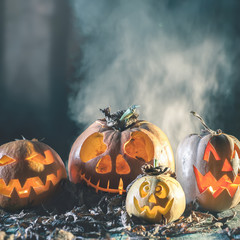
[
  {"x": 109, "y": 156},
  {"x": 208, "y": 169},
  {"x": 29, "y": 172}
]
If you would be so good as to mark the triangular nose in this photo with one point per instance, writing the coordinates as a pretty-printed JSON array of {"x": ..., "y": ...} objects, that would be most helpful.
[{"x": 152, "y": 199}]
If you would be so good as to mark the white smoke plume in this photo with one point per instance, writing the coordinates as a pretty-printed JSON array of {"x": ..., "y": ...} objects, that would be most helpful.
[{"x": 161, "y": 55}]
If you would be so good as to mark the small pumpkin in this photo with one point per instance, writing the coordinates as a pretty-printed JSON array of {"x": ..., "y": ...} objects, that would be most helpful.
[
  {"x": 157, "y": 198},
  {"x": 29, "y": 172},
  {"x": 109, "y": 154},
  {"x": 207, "y": 166}
]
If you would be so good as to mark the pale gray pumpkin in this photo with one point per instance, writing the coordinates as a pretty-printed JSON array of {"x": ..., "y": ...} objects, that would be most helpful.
[{"x": 207, "y": 166}]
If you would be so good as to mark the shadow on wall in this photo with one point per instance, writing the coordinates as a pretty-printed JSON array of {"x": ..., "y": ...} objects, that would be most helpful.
[{"x": 34, "y": 68}]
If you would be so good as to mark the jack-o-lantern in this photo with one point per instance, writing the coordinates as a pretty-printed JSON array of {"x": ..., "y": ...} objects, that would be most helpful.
[
  {"x": 109, "y": 154},
  {"x": 207, "y": 166},
  {"x": 29, "y": 172},
  {"x": 158, "y": 199}
]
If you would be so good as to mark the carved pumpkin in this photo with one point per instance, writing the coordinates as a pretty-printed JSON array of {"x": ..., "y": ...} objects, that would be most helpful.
[
  {"x": 29, "y": 172},
  {"x": 207, "y": 166},
  {"x": 158, "y": 199},
  {"x": 109, "y": 154}
]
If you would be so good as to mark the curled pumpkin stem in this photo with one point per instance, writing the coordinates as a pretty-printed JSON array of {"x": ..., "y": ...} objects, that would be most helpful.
[
  {"x": 148, "y": 169},
  {"x": 122, "y": 119},
  {"x": 205, "y": 125}
]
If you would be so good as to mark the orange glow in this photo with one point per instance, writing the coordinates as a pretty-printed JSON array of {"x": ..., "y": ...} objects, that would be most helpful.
[
  {"x": 92, "y": 147},
  {"x": 208, "y": 181},
  {"x": 161, "y": 190},
  {"x": 237, "y": 151},
  {"x": 36, "y": 157},
  {"x": 34, "y": 182},
  {"x": 211, "y": 149},
  {"x": 140, "y": 146},
  {"x": 104, "y": 165},
  {"x": 120, "y": 189},
  {"x": 236, "y": 155},
  {"x": 152, "y": 199},
  {"x": 226, "y": 166},
  {"x": 144, "y": 189},
  {"x": 120, "y": 186},
  {"x": 122, "y": 166},
  {"x": 4, "y": 160},
  {"x": 152, "y": 213}
]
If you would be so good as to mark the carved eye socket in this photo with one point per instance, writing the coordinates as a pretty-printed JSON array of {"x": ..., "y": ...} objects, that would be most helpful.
[
  {"x": 92, "y": 147},
  {"x": 140, "y": 146},
  {"x": 227, "y": 166},
  {"x": 211, "y": 149},
  {"x": 39, "y": 158},
  {"x": 144, "y": 189},
  {"x": 5, "y": 160},
  {"x": 161, "y": 190}
]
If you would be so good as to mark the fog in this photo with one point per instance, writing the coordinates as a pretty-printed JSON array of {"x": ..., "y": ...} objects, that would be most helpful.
[{"x": 170, "y": 57}]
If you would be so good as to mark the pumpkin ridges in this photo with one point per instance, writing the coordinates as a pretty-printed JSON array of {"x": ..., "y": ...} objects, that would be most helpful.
[
  {"x": 116, "y": 142},
  {"x": 158, "y": 135},
  {"x": 24, "y": 173},
  {"x": 170, "y": 208},
  {"x": 218, "y": 192}
]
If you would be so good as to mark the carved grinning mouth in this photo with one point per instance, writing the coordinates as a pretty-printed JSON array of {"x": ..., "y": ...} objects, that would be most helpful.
[
  {"x": 120, "y": 189},
  {"x": 34, "y": 183},
  {"x": 152, "y": 212},
  {"x": 208, "y": 181}
]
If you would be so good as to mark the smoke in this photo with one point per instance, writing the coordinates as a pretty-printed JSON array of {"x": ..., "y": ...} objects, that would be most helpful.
[{"x": 166, "y": 56}]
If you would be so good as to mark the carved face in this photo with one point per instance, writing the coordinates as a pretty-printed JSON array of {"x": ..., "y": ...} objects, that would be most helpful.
[
  {"x": 109, "y": 160},
  {"x": 214, "y": 161},
  {"x": 156, "y": 199},
  {"x": 29, "y": 171},
  {"x": 222, "y": 165}
]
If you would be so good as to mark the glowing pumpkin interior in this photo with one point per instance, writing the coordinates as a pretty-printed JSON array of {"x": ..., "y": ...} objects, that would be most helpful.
[
  {"x": 208, "y": 181},
  {"x": 138, "y": 147},
  {"x": 37, "y": 163},
  {"x": 154, "y": 199}
]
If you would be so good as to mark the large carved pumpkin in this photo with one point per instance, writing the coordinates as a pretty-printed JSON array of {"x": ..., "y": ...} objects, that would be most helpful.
[
  {"x": 158, "y": 199},
  {"x": 207, "y": 166},
  {"x": 29, "y": 172},
  {"x": 109, "y": 154}
]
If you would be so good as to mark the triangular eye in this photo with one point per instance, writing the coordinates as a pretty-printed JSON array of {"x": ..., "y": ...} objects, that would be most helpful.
[
  {"x": 5, "y": 160},
  {"x": 211, "y": 149},
  {"x": 38, "y": 158},
  {"x": 227, "y": 166}
]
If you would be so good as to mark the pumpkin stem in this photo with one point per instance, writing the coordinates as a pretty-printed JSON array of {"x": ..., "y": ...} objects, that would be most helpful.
[
  {"x": 148, "y": 169},
  {"x": 155, "y": 163},
  {"x": 205, "y": 125},
  {"x": 122, "y": 119}
]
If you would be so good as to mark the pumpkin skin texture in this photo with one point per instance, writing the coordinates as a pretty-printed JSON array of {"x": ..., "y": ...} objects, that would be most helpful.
[
  {"x": 207, "y": 167},
  {"x": 29, "y": 173},
  {"x": 158, "y": 199},
  {"x": 109, "y": 159}
]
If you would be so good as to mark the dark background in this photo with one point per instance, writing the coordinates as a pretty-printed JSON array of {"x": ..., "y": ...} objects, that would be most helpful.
[
  {"x": 34, "y": 99},
  {"x": 41, "y": 52}
]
